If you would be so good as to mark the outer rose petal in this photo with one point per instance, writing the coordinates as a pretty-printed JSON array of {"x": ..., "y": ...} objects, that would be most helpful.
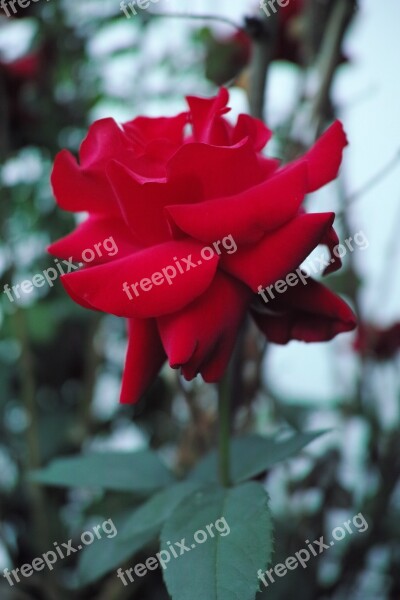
[
  {"x": 105, "y": 140},
  {"x": 79, "y": 300},
  {"x": 310, "y": 313},
  {"x": 102, "y": 286},
  {"x": 145, "y": 356},
  {"x": 142, "y": 205},
  {"x": 246, "y": 216},
  {"x": 278, "y": 253},
  {"x": 94, "y": 231},
  {"x": 325, "y": 157},
  {"x": 213, "y": 320},
  {"x": 85, "y": 187},
  {"x": 215, "y": 366},
  {"x": 77, "y": 190},
  {"x": 331, "y": 240}
]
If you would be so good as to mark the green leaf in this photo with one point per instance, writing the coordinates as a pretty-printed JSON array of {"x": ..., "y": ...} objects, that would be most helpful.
[
  {"x": 107, "y": 554},
  {"x": 111, "y": 504},
  {"x": 223, "y": 567},
  {"x": 134, "y": 532},
  {"x": 252, "y": 455},
  {"x": 158, "y": 509},
  {"x": 141, "y": 472}
]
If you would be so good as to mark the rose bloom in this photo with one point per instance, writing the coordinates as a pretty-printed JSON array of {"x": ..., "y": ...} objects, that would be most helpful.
[
  {"x": 378, "y": 343},
  {"x": 226, "y": 56},
  {"x": 167, "y": 188}
]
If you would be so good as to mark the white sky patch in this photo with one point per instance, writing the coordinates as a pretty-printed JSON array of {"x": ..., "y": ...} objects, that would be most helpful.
[{"x": 112, "y": 38}]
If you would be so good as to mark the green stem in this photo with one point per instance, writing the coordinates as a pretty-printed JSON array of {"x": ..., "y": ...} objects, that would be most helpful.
[{"x": 224, "y": 413}]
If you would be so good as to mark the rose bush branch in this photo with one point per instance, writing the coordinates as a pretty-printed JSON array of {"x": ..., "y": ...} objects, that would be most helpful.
[
  {"x": 200, "y": 17},
  {"x": 263, "y": 32}
]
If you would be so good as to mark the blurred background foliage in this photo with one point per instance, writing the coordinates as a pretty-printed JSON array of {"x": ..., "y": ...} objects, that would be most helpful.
[{"x": 64, "y": 64}]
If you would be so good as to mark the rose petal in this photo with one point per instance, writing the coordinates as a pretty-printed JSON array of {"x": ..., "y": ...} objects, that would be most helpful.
[
  {"x": 161, "y": 150},
  {"x": 79, "y": 300},
  {"x": 142, "y": 204},
  {"x": 78, "y": 190},
  {"x": 331, "y": 240},
  {"x": 144, "y": 358},
  {"x": 310, "y": 313},
  {"x": 108, "y": 141},
  {"x": 325, "y": 157},
  {"x": 278, "y": 253},
  {"x": 103, "y": 286},
  {"x": 105, "y": 140},
  {"x": 246, "y": 216},
  {"x": 103, "y": 237},
  {"x": 209, "y": 127},
  {"x": 222, "y": 171},
  {"x": 254, "y": 129},
  {"x": 145, "y": 130},
  {"x": 190, "y": 336},
  {"x": 214, "y": 368}
]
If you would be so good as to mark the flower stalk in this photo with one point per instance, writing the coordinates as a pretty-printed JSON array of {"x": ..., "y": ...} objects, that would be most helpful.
[{"x": 224, "y": 413}]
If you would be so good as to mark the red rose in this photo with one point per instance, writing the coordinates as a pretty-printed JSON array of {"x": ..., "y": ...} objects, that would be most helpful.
[
  {"x": 382, "y": 344},
  {"x": 164, "y": 194},
  {"x": 24, "y": 68}
]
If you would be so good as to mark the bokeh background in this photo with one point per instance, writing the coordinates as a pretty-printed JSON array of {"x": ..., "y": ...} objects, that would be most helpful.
[{"x": 64, "y": 64}]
